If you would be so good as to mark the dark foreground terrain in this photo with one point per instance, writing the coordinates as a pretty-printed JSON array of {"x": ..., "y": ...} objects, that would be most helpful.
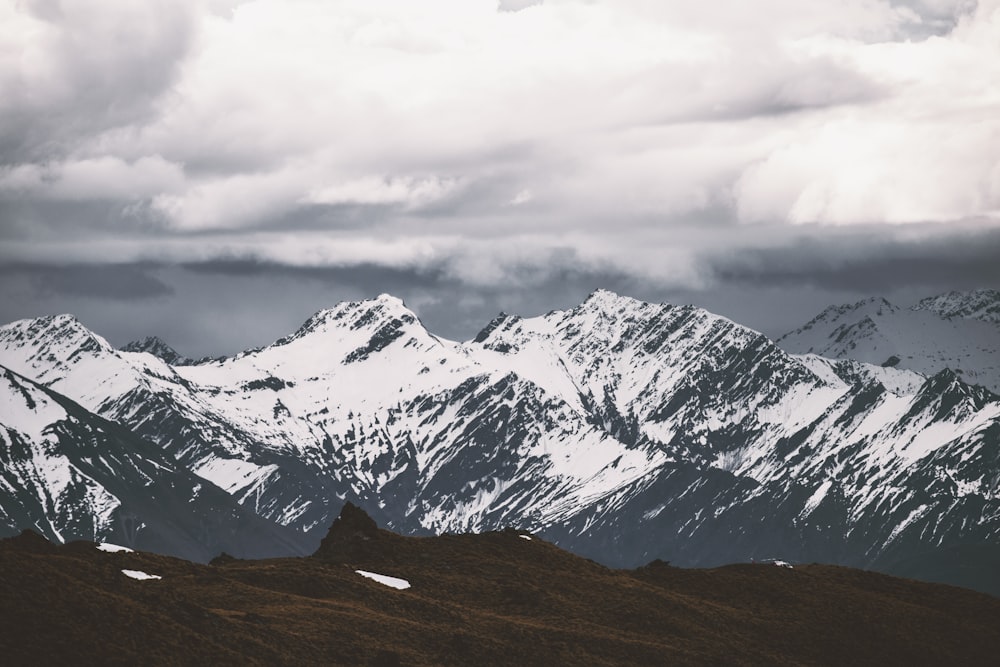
[{"x": 494, "y": 598}]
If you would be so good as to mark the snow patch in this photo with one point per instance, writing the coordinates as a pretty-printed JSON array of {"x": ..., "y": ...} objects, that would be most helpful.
[
  {"x": 140, "y": 575},
  {"x": 525, "y": 537},
  {"x": 114, "y": 548},
  {"x": 914, "y": 515},
  {"x": 653, "y": 513},
  {"x": 391, "y": 582},
  {"x": 816, "y": 498},
  {"x": 232, "y": 475}
]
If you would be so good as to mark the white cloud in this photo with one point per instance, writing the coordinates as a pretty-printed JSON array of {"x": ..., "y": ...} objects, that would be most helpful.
[
  {"x": 928, "y": 152},
  {"x": 231, "y": 201},
  {"x": 410, "y": 192},
  {"x": 70, "y": 69},
  {"x": 106, "y": 177},
  {"x": 575, "y": 126}
]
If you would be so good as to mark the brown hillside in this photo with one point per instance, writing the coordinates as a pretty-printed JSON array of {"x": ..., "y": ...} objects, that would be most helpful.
[{"x": 490, "y": 599}]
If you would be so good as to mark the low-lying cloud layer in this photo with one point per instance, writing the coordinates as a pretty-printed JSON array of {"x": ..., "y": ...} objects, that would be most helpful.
[{"x": 669, "y": 146}]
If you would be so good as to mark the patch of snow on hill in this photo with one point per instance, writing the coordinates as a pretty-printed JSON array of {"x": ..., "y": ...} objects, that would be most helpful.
[{"x": 385, "y": 580}]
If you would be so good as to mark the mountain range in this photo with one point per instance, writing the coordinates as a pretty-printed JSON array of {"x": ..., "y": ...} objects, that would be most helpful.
[
  {"x": 621, "y": 430},
  {"x": 953, "y": 330}
]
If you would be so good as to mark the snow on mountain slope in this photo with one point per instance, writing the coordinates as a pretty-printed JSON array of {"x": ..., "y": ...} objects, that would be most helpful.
[
  {"x": 377, "y": 401},
  {"x": 673, "y": 376},
  {"x": 62, "y": 354},
  {"x": 802, "y": 430},
  {"x": 624, "y": 430},
  {"x": 897, "y": 380},
  {"x": 70, "y": 475},
  {"x": 927, "y": 338},
  {"x": 983, "y": 305},
  {"x": 144, "y": 393},
  {"x": 360, "y": 400}
]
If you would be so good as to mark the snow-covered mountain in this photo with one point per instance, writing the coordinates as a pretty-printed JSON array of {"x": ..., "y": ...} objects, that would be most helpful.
[
  {"x": 70, "y": 474},
  {"x": 623, "y": 430},
  {"x": 956, "y": 331},
  {"x": 983, "y": 305}
]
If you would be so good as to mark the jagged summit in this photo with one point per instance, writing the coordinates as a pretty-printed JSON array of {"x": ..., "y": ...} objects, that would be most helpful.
[
  {"x": 864, "y": 308},
  {"x": 954, "y": 396},
  {"x": 611, "y": 303},
  {"x": 384, "y": 311},
  {"x": 156, "y": 347},
  {"x": 44, "y": 347},
  {"x": 53, "y": 327},
  {"x": 500, "y": 323}
]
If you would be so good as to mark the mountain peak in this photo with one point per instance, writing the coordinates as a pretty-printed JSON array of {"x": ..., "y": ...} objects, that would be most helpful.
[
  {"x": 608, "y": 300},
  {"x": 350, "y": 534},
  {"x": 949, "y": 397},
  {"x": 980, "y": 304},
  {"x": 502, "y": 322},
  {"x": 841, "y": 316},
  {"x": 387, "y": 298},
  {"x": 56, "y": 336},
  {"x": 48, "y": 323},
  {"x": 155, "y": 346},
  {"x": 875, "y": 305},
  {"x": 373, "y": 314}
]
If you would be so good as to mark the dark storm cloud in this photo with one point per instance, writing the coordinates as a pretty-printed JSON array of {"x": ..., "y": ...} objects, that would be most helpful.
[
  {"x": 871, "y": 259},
  {"x": 108, "y": 282},
  {"x": 221, "y": 306},
  {"x": 46, "y": 221},
  {"x": 368, "y": 277}
]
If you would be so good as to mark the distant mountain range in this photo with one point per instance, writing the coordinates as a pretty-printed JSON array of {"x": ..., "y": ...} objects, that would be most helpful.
[
  {"x": 621, "y": 430},
  {"x": 956, "y": 331}
]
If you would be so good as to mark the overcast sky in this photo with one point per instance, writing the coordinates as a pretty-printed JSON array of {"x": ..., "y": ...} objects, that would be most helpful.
[{"x": 214, "y": 172}]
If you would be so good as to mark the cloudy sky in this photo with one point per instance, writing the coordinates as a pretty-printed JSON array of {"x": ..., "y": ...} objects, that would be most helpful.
[{"x": 215, "y": 171}]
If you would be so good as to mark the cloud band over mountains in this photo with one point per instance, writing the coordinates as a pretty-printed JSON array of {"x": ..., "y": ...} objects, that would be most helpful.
[{"x": 664, "y": 144}]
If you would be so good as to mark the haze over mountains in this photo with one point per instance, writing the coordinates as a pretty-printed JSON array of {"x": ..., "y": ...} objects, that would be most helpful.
[{"x": 621, "y": 430}]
